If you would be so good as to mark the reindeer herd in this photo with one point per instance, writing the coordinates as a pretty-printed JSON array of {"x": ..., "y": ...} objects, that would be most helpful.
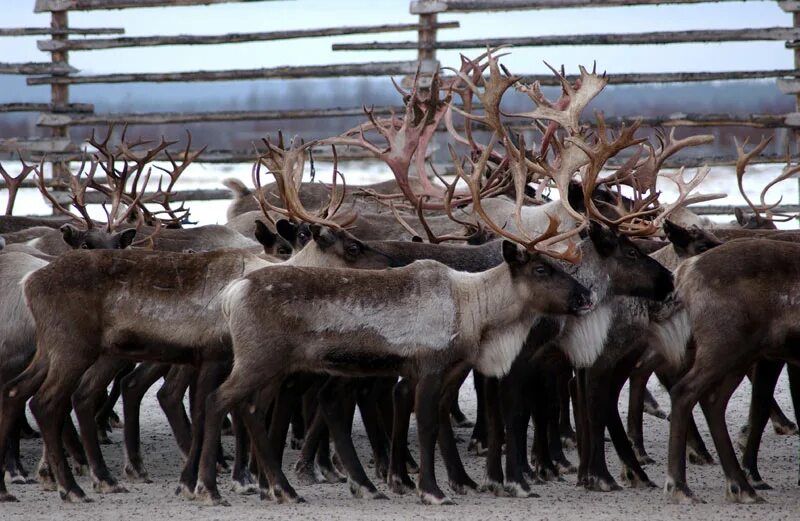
[{"x": 316, "y": 299}]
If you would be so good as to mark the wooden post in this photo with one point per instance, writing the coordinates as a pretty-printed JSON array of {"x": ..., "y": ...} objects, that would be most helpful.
[
  {"x": 427, "y": 37},
  {"x": 59, "y": 93}
]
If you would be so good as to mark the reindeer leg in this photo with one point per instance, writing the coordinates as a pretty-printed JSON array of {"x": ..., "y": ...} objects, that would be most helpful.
[
  {"x": 367, "y": 397},
  {"x": 170, "y": 397},
  {"x": 242, "y": 480},
  {"x": 544, "y": 414},
  {"x": 597, "y": 406},
  {"x": 780, "y": 423},
  {"x": 556, "y": 390},
  {"x": 765, "y": 376},
  {"x": 636, "y": 396},
  {"x": 568, "y": 436},
  {"x": 84, "y": 400},
  {"x": 336, "y": 410},
  {"x": 493, "y": 481},
  {"x": 515, "y": 410},
  {"x": 578, "y": 392},
  {"x": 134, "y": 385},
  {"x": 106, "y": 418},
  {"x": 458, "y": 478},
  {"x": 315, "y": 427},
  {"x": 477, "y": 441},
  {"x": 459, "y": 418},
  {"x": 427, "y": 399},
  {"x": 403, "y": 399},
  {"x": 208, "y": 377},
  {"x": 793, "y": 370}
]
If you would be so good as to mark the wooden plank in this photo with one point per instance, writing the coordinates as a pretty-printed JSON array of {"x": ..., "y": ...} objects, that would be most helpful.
[
  {"x": 205, "y": 194},
  {"x": 186, "y": 39},
  {"x": 308, "y": 71},
  {"x": 792, "y": 6},
  {"x": 729, "y": 209},
  {"x": 466, "y": 6},
  {"x": 789, "y": 86},
  {"x": 45, "y": 107},
  {"x": 659, "y": 37},
  {"x": 691, "y": 120},
  {"x": 36, "y": 31},
  {"x": 792, "y": 119},
  {"x": 43, "y": 6},
  {"x": 160, "y": 118},
  {"x": 28, "y": 145},
  {"x": 36, "y": 68},
  {"x": 668, "y": 77}
]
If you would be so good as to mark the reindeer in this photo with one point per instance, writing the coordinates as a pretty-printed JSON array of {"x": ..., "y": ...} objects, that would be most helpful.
[{"x": 713, "y": 289}]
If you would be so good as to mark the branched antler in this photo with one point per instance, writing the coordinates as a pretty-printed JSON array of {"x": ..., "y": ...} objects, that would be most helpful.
[
  {"x": 77, "y": 187},
  {"x": 685, "y": 197},
  {"x": 742, "y": 160},
  {"x": 13, "y": 183}
]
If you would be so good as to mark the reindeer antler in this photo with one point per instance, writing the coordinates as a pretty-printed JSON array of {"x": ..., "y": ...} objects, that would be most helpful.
[
  {"x": 742, "y": 160},
  {"x": 77, "y": 187},
  {"x": 13, "y": 183},
  {"x": 684, "y": 192}
]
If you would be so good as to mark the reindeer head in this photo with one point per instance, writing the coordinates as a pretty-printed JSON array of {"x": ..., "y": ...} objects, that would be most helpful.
[
  {"x": 691, "y": 241},
  {"x": 631, "y": 271},
  {"x": 337, "y": 248},
  {"x": 543, "y": 284},
  {"x": 96, "y": 239}
]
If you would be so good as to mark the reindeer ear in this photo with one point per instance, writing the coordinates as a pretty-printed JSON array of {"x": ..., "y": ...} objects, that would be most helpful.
[
  {"x": 740, "y": 218},
  {"x": 264, "y": 235},
  {"x": 125, "y": 238},
  {"x": 605, "y": 241},
  {"x": 72, "y": 235},
  {"x": 680, "y": 237},
  {"x": 513, "y": 255},
  {"x": 287, "y": 230}
]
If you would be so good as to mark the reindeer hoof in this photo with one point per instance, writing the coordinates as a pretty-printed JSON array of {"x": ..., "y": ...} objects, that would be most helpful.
[
  {"x": 400, "y": 484},
  {"x": 699, "y": 458},
  {"x": 477, "y": 447},
  {"x": 518, "y": 489},
  {"x": 108, "y": 487},
  {"x": 208, "y": 497},
  {"x": 244, "y": 485},
  {"x": 185, "y": 491},
  {"x": 654, "y": 410},
  {"x": 543, "y": 474},
  {"x": 5, "y": 497},
  {"x": 785, "y": 429},
  {"x": 680, "y": 493},
  {"x": 494, "y": 487},
  {"x": 464, "y": 486},
  {"x": 735, "y": 493},
  {"x": 634, "y": 480},
  {"x": 285, "y": 496},
  {"x": 360, "y": 491},
  {"x": 429, "y": 498},
  {"x": 136, "y": 473},
  {"x": 74, "y": 496},
  {"x": 598, "y": 484},
  {"x": 328, "y": 474},
  {"x": 463, "y": 423}
]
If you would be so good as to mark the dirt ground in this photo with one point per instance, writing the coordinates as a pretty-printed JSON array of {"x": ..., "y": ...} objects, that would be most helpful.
[{"x": 559, "y": 500}]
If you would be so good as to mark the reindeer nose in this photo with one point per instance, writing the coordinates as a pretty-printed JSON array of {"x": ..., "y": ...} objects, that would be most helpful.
[{"x": 581, "y": 302}]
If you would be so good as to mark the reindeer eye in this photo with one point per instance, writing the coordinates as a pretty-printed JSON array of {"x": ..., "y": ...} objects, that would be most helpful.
[
  {"x": 701, "y": 249},
  {"x": 540, "y": 270},
  {"x": 633, "y": 253},
  {"x": 284, "y": 251},
  {"x": 84, "y": 246},
  {"x": 353, "y": 250}
]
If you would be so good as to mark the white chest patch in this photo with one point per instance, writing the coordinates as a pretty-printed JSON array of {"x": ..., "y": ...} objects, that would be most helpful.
[
  {"x": 500, "y": 348},
  {"x": 583, "y": 337},
  {"x": 671, "y": 336}
]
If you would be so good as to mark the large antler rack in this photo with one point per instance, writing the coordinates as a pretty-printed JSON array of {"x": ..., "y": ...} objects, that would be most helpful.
[
  {"x": 13, "y": 183},
  {"x": 538, "y": 244},
  {"x": 77, "y": 187},
  {"x": 286, "y": 165},
  {"x": 742, "y": 161}
]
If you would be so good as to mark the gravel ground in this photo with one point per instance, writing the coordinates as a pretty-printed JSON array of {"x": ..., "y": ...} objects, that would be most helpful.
[{"x": 561, "y": 500}]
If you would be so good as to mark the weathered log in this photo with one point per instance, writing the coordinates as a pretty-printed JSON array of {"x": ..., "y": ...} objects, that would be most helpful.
[
  {"x": 659, "y": 37},
  {"x": 186, "y": 39},
  {"x": 465, "y": 6},
  {"x": 43, "y": 6},
  {"x": 46, "y": 107},
  {"x": 36, "y": 31},
  {"x": 307, "y": 71},
  {"x": 36, "y": 68}
]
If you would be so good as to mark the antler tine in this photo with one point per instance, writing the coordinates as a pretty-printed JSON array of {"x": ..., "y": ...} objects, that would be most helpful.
[
  {"x": 684, "y": 192},
  {"x": 77, "y": 198},
  {"x": 742, "y": 160},
  {"x": 649, "y": 170},
  {"x": 13, "y": 183}
]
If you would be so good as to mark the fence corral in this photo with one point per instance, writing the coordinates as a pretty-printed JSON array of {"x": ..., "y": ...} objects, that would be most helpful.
[{"x": 61, "y": 114}]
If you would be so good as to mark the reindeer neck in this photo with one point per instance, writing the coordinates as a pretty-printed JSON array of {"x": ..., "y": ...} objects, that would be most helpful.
[{"x": 591, "y": 272}]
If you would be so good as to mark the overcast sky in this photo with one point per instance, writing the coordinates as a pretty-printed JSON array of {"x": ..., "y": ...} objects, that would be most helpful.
[{"x": 286, "y": 14}]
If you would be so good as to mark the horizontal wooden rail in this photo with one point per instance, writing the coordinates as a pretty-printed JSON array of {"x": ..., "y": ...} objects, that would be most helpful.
[
  {"x": 306, "y": 71},
  {"x": 43, "y": 6},
  {"x": 660, "y": 37},
  {"x": 729, "y": 209},
  {"x": 46, "y": 107},
  {"x": 36, "y": 68},
  {"x": 37, "y": 31},
  {"x": 667, "y": 77},
  {"x": 466, "y": 6},
  {"x": 697, "y": 120},
  {"x": 185, "y": 39}
]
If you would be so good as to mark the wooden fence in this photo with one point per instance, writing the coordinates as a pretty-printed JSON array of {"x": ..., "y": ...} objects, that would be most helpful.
[{"x": 61, "y": 114}]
